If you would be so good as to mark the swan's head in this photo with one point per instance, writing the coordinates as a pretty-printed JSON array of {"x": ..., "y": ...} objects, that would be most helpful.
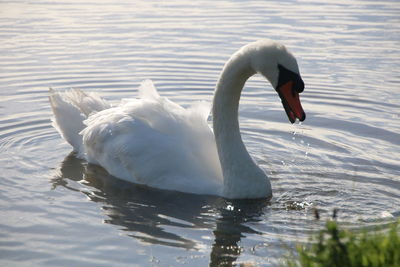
[{"x": 279, "y": 66}]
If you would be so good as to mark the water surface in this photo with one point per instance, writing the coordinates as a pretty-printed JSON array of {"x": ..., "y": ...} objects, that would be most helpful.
[{"x": 58, "y": 210}]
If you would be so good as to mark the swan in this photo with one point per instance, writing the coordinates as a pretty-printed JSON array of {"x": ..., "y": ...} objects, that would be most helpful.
[{"x": 153, "y": 141}]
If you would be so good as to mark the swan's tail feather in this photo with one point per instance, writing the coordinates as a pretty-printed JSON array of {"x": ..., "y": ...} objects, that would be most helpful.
[
  {"x": 70, "y": 109},
  {"x": 87, "y": 103}
]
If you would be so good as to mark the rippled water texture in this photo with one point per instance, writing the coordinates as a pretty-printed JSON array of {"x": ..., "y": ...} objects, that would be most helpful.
[{"x": 58, "y": 210}]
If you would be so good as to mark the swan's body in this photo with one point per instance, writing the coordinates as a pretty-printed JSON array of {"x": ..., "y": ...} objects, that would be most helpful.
[{"x": 156, "y": 142}]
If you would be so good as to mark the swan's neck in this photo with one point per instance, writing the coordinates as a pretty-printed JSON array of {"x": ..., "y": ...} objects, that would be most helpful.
[{"x": 242, "y": 177}]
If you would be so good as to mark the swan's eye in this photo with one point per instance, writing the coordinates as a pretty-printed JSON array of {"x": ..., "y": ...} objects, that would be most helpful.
[{"x": 286, "y": 76}]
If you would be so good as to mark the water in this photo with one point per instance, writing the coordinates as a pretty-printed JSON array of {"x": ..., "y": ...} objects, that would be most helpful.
[{"x": 58, "y": 210}]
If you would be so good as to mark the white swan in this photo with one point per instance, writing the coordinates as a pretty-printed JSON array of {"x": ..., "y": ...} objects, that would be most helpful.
[{"x": 156, "y": 142}]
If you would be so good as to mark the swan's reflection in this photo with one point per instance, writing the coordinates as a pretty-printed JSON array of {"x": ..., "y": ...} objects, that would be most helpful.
[{"x": 145, "y": 213}]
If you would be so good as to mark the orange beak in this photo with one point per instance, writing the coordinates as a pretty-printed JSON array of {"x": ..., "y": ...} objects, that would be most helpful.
[{"x": 291, "y": 102}]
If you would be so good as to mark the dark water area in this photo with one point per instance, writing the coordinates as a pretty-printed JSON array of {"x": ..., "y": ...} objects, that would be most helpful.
[{"x": 59, "y": 210}]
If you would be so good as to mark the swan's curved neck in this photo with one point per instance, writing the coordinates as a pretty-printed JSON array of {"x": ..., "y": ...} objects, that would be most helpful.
[{"x": 242, "y": 177}]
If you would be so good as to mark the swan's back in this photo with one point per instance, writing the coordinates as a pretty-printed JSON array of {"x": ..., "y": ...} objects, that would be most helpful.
[{"x": 153, "y": 141}]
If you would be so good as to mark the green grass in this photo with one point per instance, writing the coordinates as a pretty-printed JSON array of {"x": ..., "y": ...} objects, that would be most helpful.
[{"x": 333, "y": 246}]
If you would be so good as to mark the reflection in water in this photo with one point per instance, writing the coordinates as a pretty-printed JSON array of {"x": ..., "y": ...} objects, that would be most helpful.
[
  {"x": 150, "y": 215},
  {"x": 231, "y": 228}
]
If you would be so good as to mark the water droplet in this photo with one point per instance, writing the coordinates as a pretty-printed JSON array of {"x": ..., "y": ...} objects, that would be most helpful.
[{"x": 230, "y": 207}]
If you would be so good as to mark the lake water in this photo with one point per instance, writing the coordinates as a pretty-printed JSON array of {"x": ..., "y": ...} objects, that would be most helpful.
[{"x": 58, "y": 210}]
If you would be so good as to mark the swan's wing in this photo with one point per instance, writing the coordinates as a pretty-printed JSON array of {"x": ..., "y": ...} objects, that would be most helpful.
[
  {"x": 147, "y": 90},
  {"x": 156, "y": 142}
]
